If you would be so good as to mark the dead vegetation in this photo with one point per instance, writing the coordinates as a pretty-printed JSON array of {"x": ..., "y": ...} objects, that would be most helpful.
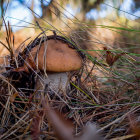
[{"x": 104, "y": 93}]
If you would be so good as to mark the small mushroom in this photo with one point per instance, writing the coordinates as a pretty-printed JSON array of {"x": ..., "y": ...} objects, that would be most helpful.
[{"x": 57, "y": 59}]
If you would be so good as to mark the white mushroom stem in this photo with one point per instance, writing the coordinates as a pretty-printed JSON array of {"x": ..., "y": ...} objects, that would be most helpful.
[{"x": 59, "y": 82}]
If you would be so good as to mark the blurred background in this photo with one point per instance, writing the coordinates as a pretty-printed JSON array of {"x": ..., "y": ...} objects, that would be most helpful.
[
  {"x": 108, "y": 31},
  {"x": 90, "y": 23},
  {"x": 24, "y": 12}
]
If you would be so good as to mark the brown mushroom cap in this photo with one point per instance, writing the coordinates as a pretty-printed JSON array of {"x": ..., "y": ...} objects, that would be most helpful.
[{"x": 59, "y": 57}]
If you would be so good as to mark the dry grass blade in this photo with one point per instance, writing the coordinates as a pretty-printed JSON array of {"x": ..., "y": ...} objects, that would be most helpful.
[
  {"x": 10, "y": 43},
  {"x": 124, "y": 137},
  {"x": 5, "y": 46},
  {"x": 36, "y": 125},
  {"x": 8, "y": 38}
]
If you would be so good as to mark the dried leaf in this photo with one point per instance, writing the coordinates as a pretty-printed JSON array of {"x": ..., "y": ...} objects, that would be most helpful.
[
  {"x": 111, "y": 58},
  {"x": 62, "y": 127},
  {"x": 134, "y": 125}
]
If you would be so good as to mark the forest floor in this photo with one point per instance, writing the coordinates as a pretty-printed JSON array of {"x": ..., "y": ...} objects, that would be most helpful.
[{"x": 105, "y": 92}]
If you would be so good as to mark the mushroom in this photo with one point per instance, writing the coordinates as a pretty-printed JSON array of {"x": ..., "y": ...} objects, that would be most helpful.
[{"x": 56, "y": 58}]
